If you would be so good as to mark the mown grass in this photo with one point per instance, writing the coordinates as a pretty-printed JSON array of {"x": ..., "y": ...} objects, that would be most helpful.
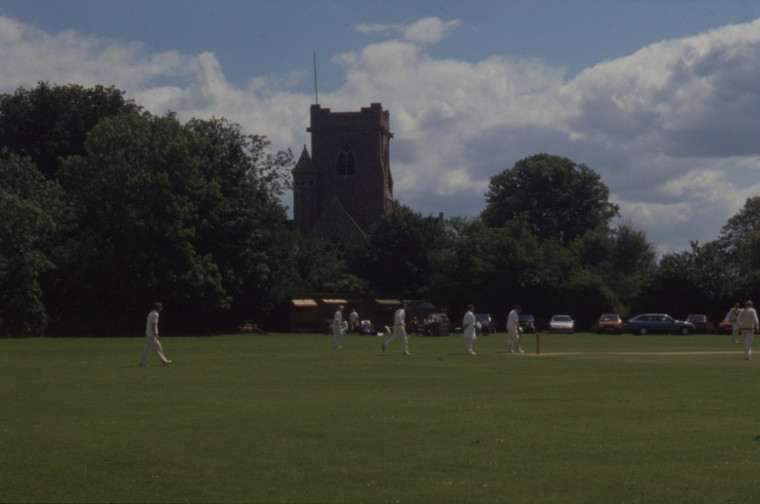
[{"x": 284, "y": 418}]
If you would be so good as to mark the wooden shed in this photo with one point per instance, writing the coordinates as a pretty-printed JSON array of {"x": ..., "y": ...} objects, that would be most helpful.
[{"x": 314, "y": 311}]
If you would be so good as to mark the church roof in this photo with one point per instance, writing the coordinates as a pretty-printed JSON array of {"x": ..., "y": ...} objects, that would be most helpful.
[
  {"x": 336, "y": 220},
  {"x": 304, "y": 164}
]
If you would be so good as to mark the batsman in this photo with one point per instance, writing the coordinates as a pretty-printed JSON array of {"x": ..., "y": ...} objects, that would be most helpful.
[{"x": 514, "y": 330}]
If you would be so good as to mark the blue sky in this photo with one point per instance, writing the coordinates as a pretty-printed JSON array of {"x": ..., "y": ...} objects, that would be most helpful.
[{"x": 658, "y": 97}]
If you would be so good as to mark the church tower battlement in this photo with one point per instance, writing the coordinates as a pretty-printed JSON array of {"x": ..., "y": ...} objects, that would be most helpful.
[{"x": 346, "y": 185}]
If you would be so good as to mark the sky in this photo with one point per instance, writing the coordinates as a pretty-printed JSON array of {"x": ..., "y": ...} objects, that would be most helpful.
[{"x": 661, "y": 98}]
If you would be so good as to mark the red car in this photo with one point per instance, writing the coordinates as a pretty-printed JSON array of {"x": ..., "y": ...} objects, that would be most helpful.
[
  {"x": 701, "y": 323},
  {"x": 610, "y": 322},
  {"x": 725, "y": 327}
]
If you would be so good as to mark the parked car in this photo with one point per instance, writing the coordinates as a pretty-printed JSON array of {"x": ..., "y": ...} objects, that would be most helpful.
[
  {"x": 611, "y": 323},
  {"x": 647, "y": 323},
  {"x": 487, "y": 324},
  {"x": 725, "y": 327},
  {"x": 527, "y": 322},
  {"x": 562, "y": 324},
  {"x": 701, "y": 323},
  {"x": 436, "y": 324}
]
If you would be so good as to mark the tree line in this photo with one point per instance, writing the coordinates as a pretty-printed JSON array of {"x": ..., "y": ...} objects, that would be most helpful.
[{"x": 107, "y": 208}]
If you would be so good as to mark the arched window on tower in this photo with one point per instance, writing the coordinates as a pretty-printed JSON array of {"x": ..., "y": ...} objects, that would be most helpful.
[{"x": 346, "y": 162}]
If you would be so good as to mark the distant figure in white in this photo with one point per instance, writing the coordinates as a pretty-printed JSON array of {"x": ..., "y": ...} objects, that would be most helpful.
[
  {"x": 469, "y": 330},
  {"x": 338, "y": 328},
  {"x": 399, "y": 330},
  {"x": 748, "y": 325},
  {"x": 353, "y": 319},
  {"x": 733, "y": 317},
  {"x": 151, "y": 335},
  {"x": 514, "y": 330}
]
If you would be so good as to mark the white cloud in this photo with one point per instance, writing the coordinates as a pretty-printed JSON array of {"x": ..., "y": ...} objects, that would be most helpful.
[
  {"x": 424, "y": 32},
  {"x": 429, "y": 31},
  {"x": 10, "y": 30},
  {"x": 29, "y": 55},
  {"x": 671, "y": 129}
]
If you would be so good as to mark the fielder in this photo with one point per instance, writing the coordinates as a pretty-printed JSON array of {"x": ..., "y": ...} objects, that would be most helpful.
[
  {"x": 151, "y": 335},
  {"x": 338, "y": 328},
  {"x": 748, "y": 325},
  {"x": 399, "y": 330},
  {"x": 733, "y": 317},
  {"x": 468, "y": 327}
]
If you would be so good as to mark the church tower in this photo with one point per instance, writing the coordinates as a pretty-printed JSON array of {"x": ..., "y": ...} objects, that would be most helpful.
[
  {"x": 304, "y": 193},
  {"x": 345, "y": 186}
]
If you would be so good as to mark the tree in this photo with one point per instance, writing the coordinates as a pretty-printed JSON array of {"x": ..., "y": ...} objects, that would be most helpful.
[
  {"x": 398, "y": 256},
  {"x": 181, "y": 213},
  {"x": 243, "y": 224},
  {"x": 138, "y": 194},
  {"x": 607, "y": 270},
  {"x": 317, "y": 270},
  {"x": 713, "y": 276},
  {"x": 558, "y": 198},
  {"x": 31, "y": 208},
  {"x": 49, "y": 123},
  {"x": 631, "y": 265},
  {"x": 733, "y": 233}
]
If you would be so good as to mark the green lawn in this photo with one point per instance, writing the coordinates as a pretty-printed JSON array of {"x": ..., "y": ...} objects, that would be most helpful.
[{"x": 284, "y": 418}]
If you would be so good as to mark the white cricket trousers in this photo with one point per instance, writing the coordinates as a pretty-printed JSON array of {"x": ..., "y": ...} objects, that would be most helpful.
[
  {"x": 468, "y": 346},
  {"x": 150, "y": 342},
  {"x": 513, "y": 340},
  {"x": 399, "y": 332},
  {"x": 337, "y": 337},
  {"x": 749, "y": 335}
]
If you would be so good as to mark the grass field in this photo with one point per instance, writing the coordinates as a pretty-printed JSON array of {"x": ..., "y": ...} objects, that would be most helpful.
[{"x": 284, "y": 418}]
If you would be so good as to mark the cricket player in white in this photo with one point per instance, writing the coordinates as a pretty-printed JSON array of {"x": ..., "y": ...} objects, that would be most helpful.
[
  {"x": 469, "y": 330},
  {"x": 399, "y": 331},
  {"x": 748, "y": 325},
  {"x": 733, "y": 317},
  {"x": 514, "y": 330},
  {"x": 338, "y": 328},
  {"x": 151, "y": 335},
  {"x": 352, "y": 318}
]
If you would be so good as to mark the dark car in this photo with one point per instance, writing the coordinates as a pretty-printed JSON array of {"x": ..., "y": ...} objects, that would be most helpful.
[
  {"x": 487, "y": 323},
  {"x": 610, "y": 323},
  {"x": 436, "y": 324},
  {"x": 663, "y": 323},
  {"x": 701, "y": 323},
  {"x": 527, "y": 322}
]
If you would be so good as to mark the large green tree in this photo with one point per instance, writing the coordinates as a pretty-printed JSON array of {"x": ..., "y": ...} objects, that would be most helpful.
[
  {"x": 243, "y": 224},
  {"x": 584, "y": 266},
  {"x": 492, "y": 268},
  {"x": 138, "y": 192},
  {"x": 558, "y": 198},
  {"x": 399, "y": 253},
  {"x": 609, "y": 270},
  {"x": 734, "y": 233},
  {"x": 711, "y": 277},
  {"x": 32, "y": 210},
  {"x": 176, "y": 213},
  {"x": 49, "y": 123}
]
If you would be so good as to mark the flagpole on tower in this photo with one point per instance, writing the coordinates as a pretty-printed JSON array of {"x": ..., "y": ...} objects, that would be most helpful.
[{"x": 316, "y": 94}]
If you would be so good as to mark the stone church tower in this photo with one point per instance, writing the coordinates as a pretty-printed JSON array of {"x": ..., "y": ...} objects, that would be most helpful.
[{"x": 345, "y": 186}]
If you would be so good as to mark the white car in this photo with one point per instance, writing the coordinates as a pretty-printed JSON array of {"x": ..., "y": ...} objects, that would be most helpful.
[{"x": 562, "y": 324}]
